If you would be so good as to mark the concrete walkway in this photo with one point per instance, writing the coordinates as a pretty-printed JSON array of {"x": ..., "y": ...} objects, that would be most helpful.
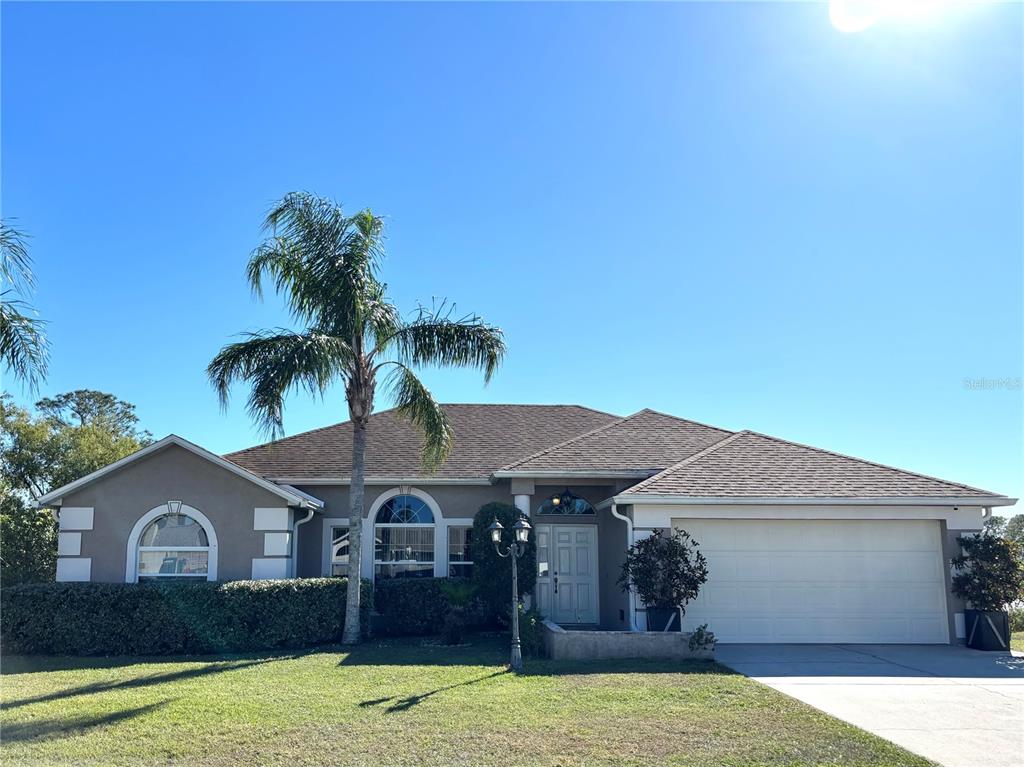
[{"x": 958, "y": 707}]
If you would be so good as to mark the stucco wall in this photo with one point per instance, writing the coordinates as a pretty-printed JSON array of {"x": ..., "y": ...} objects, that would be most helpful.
[
  {"x": 119, "y": 499},
  {"x": 614, "y": 602},
  {"x": 463, "y": 501},
  {"x": 459, "y": 501}
]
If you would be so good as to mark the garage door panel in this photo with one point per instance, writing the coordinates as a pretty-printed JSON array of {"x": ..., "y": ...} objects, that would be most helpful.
[{"x": 821, "y": 581}]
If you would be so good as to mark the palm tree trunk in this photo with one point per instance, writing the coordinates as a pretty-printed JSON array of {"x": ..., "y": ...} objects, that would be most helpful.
[{"x": 352, "y": 633}]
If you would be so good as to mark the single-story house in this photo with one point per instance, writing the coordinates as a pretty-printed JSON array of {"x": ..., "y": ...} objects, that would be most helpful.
[{"x": 803, "y": 544}]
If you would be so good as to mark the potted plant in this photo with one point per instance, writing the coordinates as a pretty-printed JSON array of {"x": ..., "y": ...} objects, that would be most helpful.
[
  {"x": 667, "y": 571},
  {"x": 989, "y": 577}
]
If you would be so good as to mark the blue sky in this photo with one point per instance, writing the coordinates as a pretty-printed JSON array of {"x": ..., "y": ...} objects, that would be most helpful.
[{"x": 729, "y": 212}]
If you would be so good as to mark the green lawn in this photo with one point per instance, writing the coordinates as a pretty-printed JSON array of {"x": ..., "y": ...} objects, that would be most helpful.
[
  {"x": 410, "y": 703},
  {"x": 1017, "y": 641}
]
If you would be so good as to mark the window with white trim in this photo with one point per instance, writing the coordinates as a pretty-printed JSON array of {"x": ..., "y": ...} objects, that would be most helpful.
[
  {"x": 173, "y": 546},
  {"x": 403, "y": 539},
  {"x": 339, "y": 550},
  {"x": 460, "y": 555}
]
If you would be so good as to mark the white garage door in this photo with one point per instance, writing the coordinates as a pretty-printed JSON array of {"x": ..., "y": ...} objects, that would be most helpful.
[{"x": 821, "y": 581}]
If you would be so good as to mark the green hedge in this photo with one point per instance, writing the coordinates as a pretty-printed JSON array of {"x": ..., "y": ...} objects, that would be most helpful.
[
  {"x": 173, "y": 618},
  {"x": 413, "y": 606}
]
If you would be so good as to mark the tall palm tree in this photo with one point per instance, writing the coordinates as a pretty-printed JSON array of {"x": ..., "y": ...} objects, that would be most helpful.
[
  {"x": 23, "y": 347},
  {"x": 325, "y": 264}
]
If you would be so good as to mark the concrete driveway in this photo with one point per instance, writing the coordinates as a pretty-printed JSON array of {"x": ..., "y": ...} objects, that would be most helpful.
[{"x": 958, "y": 707}]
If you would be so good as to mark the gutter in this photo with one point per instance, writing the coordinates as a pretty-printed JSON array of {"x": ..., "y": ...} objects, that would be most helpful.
[
  {"x": 685, "y": 500},
  {"x": 629, "y": 539},
  {"x": 295, "y": 541}
]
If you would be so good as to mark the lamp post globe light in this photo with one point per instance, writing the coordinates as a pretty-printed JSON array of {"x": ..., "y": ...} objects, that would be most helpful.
[{"x": 514, "y": 550}]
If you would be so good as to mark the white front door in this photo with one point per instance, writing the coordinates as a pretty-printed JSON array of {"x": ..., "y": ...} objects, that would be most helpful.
[{"x": 566, "y": 588}]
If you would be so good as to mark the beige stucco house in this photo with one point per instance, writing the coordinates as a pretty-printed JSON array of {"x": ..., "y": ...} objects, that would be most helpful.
[{"x": 804, "y": 545}]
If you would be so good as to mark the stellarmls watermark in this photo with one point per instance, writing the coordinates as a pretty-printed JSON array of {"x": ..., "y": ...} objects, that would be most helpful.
[{"x": 993, "y": 384}]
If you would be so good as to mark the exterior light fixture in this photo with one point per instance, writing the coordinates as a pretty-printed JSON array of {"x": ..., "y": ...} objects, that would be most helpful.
[
  {"x": 522, "y": 530},
  {"x": 496, "y": 528},
  {"x": 515, "y": 550}
]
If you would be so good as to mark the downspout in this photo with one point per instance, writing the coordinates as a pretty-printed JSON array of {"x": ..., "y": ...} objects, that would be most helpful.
[
  {"x": 629, "y": 538},
  {"x": 295, "y": 540}
]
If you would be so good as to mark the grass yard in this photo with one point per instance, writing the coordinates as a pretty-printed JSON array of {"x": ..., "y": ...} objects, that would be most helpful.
[
  {"x": 1017, "y": 641},
  {"x": 410, "y": 703}
]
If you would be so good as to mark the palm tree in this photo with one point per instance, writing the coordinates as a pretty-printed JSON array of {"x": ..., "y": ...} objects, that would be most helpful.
[
  {"x": 325, "y": 264},
  {"x": 23, "y": 346}
]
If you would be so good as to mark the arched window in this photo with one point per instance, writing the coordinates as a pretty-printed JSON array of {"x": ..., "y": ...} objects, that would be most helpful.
[
  {"x": 403, "y": 536},
  {"x": 566, "y": 503},
  {"x": 172, "y": 541}
]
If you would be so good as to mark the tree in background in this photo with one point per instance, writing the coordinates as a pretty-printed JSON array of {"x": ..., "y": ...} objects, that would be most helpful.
[
  {"x": 86, "y": 406},
  {"x": 1011, "y": 528},
  {"x": 71, "y": 435},
  {"x": 1015, "y": 529},
  {"x": 23, "y": 348},
  {"x": 326, "y": 265}
]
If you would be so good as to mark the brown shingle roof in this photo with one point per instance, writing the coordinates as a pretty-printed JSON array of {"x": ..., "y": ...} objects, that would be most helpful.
[
  {"x": 486, "y": 438},
  {"x": 644, "y": 441},
  {"x": 748, "y": 464}
]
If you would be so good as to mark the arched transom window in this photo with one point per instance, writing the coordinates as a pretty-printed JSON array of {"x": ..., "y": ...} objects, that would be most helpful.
[
  {"x": 403, "y": 538},
  {"x": 566, "y": 503},
  {"x": 174, "y": 543}
]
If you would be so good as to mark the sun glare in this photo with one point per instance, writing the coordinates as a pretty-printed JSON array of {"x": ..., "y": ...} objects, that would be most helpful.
[{"x": 857, "y": 15}]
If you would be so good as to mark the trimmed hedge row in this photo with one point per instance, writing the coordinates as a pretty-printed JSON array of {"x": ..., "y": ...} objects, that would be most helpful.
[
  {"x": 411, "y": 606},
  {"x": 174, "y": 618}
]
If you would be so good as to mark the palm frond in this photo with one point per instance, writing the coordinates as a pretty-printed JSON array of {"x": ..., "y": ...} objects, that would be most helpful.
[
  {"x": 415, "y": 402},
  {"x": 24, "y": 350},
  {"x": 434, "y": 338},
  {"x": 278, "y": 259},
  {"x": 274, "y": 362},
  {"x": 324, "y": 262},
  {"x": 15, "y": 263}
]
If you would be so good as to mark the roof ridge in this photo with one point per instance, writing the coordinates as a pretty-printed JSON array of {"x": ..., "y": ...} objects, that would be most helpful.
[
  {"x": 873, "y": 463},
  {"x": 563, "y": 443},
  {"x": 618, "y": 422},
  {"x": 688, "y": 460},
  {"x": 524, "y": 404},
  {"x": 684, "y": 420}
]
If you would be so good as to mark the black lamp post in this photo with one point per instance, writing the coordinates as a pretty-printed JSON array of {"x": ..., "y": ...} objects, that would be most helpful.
[{"x": 515, "y": 550}]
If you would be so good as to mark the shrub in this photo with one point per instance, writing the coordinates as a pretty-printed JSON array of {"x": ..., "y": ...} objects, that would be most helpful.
[
  {"x": 990, "y": 573},
  {"x": 172, "y": 618},
  {"x": 531, "y": 641},
  {"x": 667, "y": 571},
  {"x": 28, "y": 542},
  {"x": 412, "y": 606},
  {"x": 492, "y": 574},
  {"x": 460, "y": 595}
]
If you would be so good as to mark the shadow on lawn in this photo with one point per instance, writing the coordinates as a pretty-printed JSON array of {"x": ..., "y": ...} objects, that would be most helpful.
[
  {"x": 199, "y": 672},
  {"x": 479, "y": 650},
  {"x": 493, "y": 650},
  {"x": 45, "y": 729},
  {"x": 404, "y": 704}
]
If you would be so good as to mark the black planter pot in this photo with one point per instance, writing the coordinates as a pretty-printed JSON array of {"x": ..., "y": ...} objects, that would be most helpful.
[
  {"x": 987, "y": 629},
  {"x": 658, "y": 618}
]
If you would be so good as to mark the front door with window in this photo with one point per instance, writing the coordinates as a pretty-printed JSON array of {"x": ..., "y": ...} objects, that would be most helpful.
[{"x": 566, "y": 588}]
